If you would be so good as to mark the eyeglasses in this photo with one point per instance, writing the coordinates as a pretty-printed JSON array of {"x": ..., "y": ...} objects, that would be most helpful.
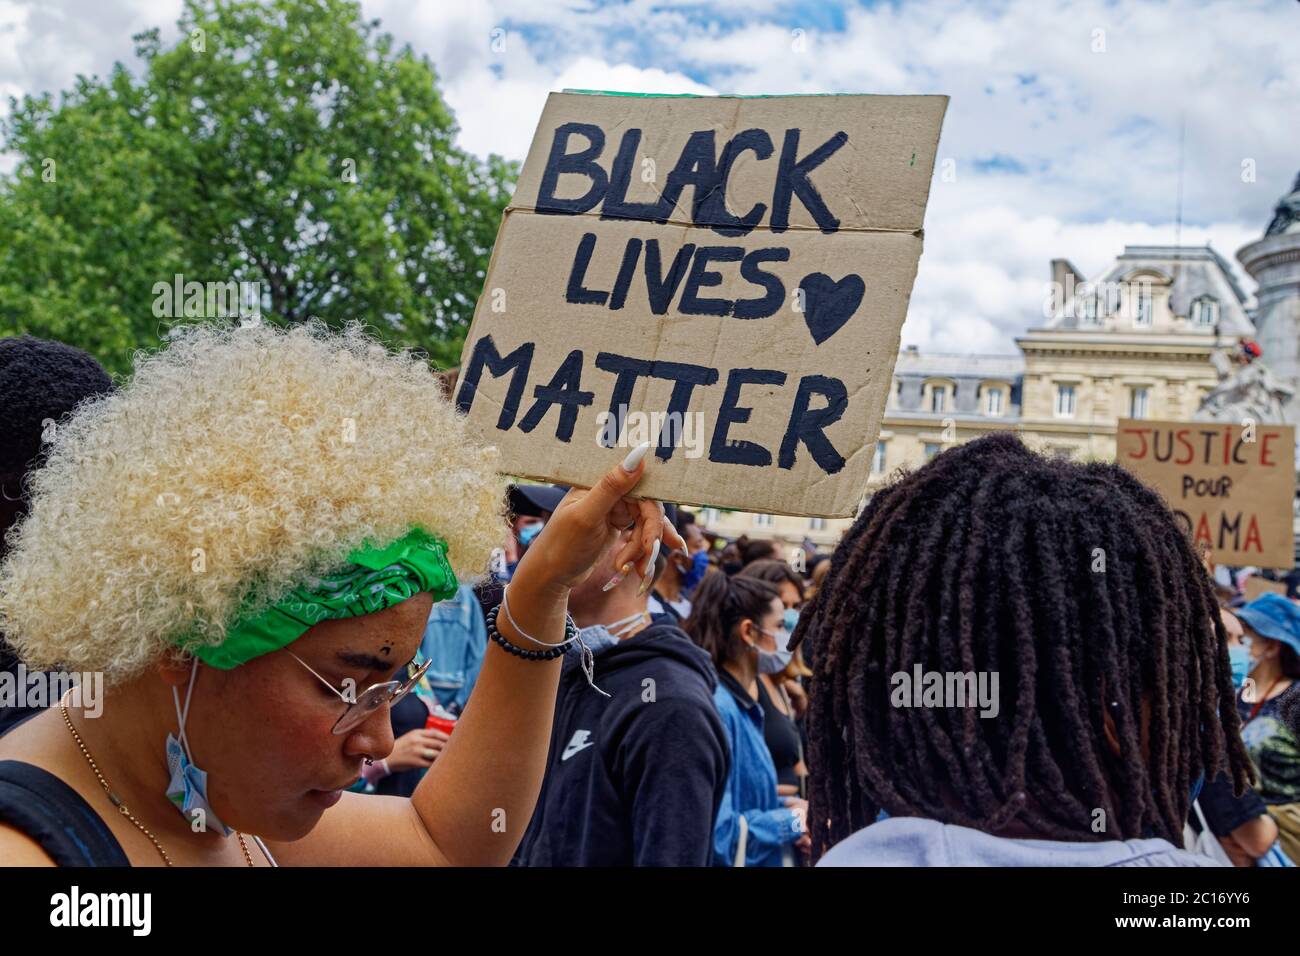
[{"x": 374, "y": 697}]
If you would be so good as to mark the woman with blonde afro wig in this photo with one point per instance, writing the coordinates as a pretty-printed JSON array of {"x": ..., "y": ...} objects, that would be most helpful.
[{"x": 245, "y": 541}]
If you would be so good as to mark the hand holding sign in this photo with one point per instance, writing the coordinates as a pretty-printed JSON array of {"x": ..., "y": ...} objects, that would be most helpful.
[
  {"x": 586, "y": 522},
  {"x": 755, "y": 289}
]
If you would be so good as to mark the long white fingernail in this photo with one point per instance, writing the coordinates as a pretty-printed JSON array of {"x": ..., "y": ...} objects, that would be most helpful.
[
  {"x": 649, "y": 570},
  {"x": 634, "y": 457},
  {"x": 617, "y": 579}
]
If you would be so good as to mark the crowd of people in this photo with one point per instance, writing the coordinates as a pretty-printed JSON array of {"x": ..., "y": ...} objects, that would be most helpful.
[{"x": 324, "y": 634}]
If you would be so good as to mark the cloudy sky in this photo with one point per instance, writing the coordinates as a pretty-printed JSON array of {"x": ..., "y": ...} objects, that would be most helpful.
[{"x": 1064, "y": 124}]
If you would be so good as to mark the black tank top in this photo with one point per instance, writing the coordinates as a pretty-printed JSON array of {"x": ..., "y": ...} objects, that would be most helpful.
[
  {"x": 39, "y": 804},
  {"x": 781, "y": 734}
]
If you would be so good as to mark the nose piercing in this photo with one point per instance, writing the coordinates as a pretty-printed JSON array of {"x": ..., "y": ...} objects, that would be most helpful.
[{"x": 369, "y": 761}]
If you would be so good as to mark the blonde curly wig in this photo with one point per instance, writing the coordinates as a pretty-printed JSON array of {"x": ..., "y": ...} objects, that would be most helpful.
[{"x": 236, "y": 462}]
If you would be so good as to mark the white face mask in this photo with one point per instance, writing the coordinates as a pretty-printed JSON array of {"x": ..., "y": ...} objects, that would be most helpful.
[
  {"x": 623, "y": 626},
  {"x": 601, "y": 636},
  {"x": 187, "y": 788},
  {"x": 598, "y": 637},
  {"x": 773, "y": 662}
]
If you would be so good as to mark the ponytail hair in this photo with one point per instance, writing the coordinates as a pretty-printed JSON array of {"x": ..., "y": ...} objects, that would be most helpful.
[{"x": 718, "y": 605}]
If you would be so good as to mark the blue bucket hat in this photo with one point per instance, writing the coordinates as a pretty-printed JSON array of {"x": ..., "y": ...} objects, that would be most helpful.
[{"x": 1274, "y": 616}]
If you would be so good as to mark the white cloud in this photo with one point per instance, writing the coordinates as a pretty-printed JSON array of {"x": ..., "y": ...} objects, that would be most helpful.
[
  {"x": 44, "y": 46},
  {"x": 984, "y": 275},
  {"x": 1099, "y": 129},
  {"x": 501, "y": 116}
]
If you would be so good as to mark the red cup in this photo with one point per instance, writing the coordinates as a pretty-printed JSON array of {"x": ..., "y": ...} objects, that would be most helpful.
[{"x": 440, "y": 723}]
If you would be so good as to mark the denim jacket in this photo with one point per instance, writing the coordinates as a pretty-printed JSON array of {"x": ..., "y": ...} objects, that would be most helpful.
[
  {"x": 751, "y": 785},
  {"x": 455, "y": 639}
]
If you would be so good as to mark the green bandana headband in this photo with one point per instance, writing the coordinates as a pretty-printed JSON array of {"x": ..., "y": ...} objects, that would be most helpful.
[{"x": 373, "y": 579}]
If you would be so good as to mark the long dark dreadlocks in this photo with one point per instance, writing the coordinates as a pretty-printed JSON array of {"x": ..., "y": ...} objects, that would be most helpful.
[{"x": 1076, "y": 585}]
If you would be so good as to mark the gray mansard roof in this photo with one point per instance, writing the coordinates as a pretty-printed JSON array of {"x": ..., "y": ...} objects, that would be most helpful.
[
  {"x": 1195, "y": 271},
  {"x": 966, "y": 372}
]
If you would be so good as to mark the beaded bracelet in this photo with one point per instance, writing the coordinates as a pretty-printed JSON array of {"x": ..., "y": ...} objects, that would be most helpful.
[
  {"x": 555, "y": 650},
  {"x": 585, "y": 657},
  {"x": 568, "y": 622}
]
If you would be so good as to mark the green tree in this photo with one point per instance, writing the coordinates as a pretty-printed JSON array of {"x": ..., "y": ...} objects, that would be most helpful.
[{"x": 288, "y": 144}]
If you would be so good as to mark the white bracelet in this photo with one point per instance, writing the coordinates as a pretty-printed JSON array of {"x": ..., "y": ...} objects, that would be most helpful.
[
  {"x": 586, "y": 658},
  {"x": 505, "y": 606}
]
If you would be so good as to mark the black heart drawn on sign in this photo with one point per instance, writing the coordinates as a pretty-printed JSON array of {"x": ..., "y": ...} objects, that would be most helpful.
[{"x": 828, "y": 304}]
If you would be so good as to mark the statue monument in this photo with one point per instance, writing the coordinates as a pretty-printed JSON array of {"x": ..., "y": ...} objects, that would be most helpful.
[
  {"x": 1274, "y": 262},
  {"x": 1246, "y": 390}
]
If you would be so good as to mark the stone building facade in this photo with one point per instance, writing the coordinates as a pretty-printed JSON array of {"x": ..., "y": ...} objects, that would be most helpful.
[{"x": 1132, "y": 342}]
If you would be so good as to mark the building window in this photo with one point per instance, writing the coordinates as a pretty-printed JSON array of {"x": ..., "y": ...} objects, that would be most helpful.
[
  {"x": 1064, "y": 401},
  {"x": 1063, "y": 452},
  {"x": 1205, "y": 313},
  {"x": 1142, "y": 307},
  {"x": 1137, "y": 405},
  {"x": 763, "y": 521},
  {"x": 1089, "y": 313},
  {"x": 931, "y": 449},
  {"x": 817, "y": 524},
  {"x": 878, "y": 459},
  {"x": 939, "y": 398},
  {"x": 710, "y": 516},
  {"x": 993, "y": 401}
]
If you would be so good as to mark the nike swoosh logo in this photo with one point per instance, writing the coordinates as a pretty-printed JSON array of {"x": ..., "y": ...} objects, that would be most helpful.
[{"x": 574, "y": 747}]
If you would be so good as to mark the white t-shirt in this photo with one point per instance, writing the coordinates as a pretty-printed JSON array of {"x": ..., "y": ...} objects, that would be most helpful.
[{"x": 682, "y": 606}]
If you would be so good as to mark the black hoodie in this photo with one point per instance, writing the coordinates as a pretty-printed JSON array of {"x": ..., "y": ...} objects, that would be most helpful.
[{"x": 634, "y": 779}]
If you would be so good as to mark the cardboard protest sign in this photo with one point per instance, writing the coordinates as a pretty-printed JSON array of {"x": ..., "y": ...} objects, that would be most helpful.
[
  {"x": 1230, "y": 485},
  {"x": 1255, "y": 586},
  {"x": 726, "y": 276}
]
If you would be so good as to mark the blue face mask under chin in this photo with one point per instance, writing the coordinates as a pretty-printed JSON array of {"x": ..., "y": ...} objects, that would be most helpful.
[
  {"x": 188, "y": 787},
  {"x": 695, "y": 573}
]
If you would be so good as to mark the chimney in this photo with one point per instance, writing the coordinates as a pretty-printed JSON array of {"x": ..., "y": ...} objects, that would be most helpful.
[{"x": 1061, "y": 269}]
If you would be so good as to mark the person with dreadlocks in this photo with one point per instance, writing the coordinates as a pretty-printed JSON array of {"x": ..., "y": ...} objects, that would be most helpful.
[
  {"x": 739, "y": 622},
  {"x": 1075, "y": 585}
]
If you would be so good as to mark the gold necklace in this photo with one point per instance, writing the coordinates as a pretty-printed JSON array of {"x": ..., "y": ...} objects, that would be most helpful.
[{"x": 117, "y": 801}]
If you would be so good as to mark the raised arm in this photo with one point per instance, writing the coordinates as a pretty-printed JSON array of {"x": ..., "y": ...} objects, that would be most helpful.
[{"x": 473, "y": 806}]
